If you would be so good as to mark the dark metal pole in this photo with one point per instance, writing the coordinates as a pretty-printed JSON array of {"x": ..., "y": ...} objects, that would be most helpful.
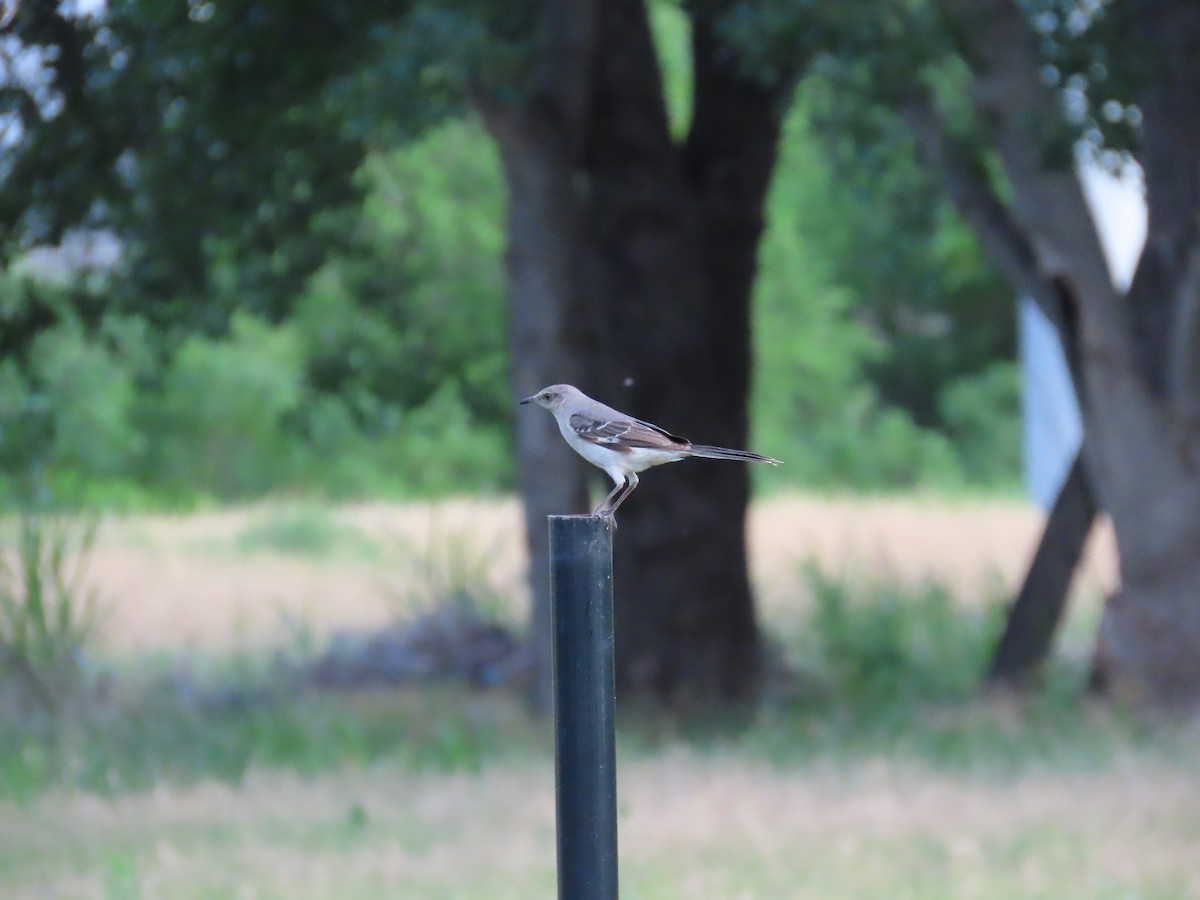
[{"x": 584, "y": 731}]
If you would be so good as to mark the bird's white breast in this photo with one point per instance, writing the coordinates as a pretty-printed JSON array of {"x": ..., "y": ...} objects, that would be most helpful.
[{"x": 617, "y": 463}]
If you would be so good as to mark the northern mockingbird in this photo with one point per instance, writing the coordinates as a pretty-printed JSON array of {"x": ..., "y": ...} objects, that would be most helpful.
[{"x": 619, "y": 444}]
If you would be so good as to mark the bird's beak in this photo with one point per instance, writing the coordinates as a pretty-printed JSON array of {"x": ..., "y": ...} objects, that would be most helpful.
[{"x": 527, "y": 400}]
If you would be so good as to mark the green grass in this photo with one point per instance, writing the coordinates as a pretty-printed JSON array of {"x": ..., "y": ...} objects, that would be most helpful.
[
  {"x": 449, "y": 793},
  {"x": 875, "y": 668},
  {"x": 159, "y": 737},
  {"x": 305, "y": 532},
  {"x": 874, "y": 770}
]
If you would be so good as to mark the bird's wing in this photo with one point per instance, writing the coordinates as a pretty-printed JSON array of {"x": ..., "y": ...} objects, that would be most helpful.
[{"x": 625, "y": 433}]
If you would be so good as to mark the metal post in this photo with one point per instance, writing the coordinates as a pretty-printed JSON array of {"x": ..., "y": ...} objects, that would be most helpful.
[{"x": 584, "y": 732}]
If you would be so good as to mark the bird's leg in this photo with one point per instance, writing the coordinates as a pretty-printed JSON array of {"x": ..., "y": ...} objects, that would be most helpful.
[
  {"x": 631, "y": 481},
  {"x": 602, "y": 509},
  {"x": 608, "y": 509}
]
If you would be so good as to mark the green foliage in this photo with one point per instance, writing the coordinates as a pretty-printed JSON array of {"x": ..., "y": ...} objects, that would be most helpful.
[
  {"x": 419, "y": 303},
  {"x": 223, "y": 407},
  {"x": 303, "y": 531},
  {"x": 223, "y": 138},
  {"x": 168, "y": 736},
  {"x": 70, "y": 406},
  {"x": 877, "y": 644},
  {"x": 389, "y": 378},
  {"x": 91, "y": 391},
  {"x": 23, "y": 430},
  {"x": 440, "y": 448},
  {"x": 385, "y": 369},
  {"x": 410, "y": 328},
  {"x": 671, "y": 30},
  {"x": 882, "y": 249},
  {"x": 982, "y": 416},
  {"x": 915, "y": 269},
  {"x": 71, "y": 396},
  {"x": 843, "y": 399},
  {"x": 883, "y": 667},
  {"x": 213, "y": 144},
  {"x": 1106, "y": 57},
  {"x": 48, "y": 615}
]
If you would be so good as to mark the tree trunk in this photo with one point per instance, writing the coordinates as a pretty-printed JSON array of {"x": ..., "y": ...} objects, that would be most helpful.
[
  {"x": 631, "y": 263},
  {"x": 1148, "y": 649},
  {"x": 541, "y": 258},
  {"x": 540, "y": 143},
  {"x": 676, "y": 231},
  {"x": 1035, "y": 614},
  {"x": 1143, "y": 441}
]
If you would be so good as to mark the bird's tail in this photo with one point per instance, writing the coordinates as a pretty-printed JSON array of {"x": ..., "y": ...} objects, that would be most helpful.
[{"x": 724, "y": 453}]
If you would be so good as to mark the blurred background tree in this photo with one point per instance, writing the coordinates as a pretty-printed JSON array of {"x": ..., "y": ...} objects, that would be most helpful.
[
  {"x": 309, "y": 290},
  {"x": 390, "y": 262},
  {"x": 1008, "y": 102}
]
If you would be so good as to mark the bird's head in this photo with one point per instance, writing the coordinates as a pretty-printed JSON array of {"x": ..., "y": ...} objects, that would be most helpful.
[{"x": 553, "y": 397}]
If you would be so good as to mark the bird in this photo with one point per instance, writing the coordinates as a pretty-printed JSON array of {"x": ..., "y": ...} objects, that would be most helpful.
[{"x": 620, "y": 444}]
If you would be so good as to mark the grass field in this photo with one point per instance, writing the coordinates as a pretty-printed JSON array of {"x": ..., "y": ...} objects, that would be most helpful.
[
  {"x": 208, "y": 579},
  {"x": 867, "y": 790}
]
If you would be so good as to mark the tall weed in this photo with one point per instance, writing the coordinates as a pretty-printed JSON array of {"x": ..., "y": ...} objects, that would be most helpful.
[
  {"x": 450, "y": 569},
  {"x": 48, "y": 614}
]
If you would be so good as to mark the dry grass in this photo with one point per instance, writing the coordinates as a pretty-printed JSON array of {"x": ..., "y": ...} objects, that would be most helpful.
[{"x": 175, "y": 582}]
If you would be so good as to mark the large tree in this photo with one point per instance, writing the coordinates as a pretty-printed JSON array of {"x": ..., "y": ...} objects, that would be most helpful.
[
  {"x": 218, "y": 141},
  {"x": 1140, "y": 352},
  {"x": 220, "y": 136},
  {"x": 632, "y": 256},
  {"x": 1005, "y": 95}
]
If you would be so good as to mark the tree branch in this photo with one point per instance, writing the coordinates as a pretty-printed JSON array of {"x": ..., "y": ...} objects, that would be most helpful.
[
  {"x": 1036, "y": 611},
  {"x": 542, "y": 138},
  {"x": 977, "y": 202},
  {"x": 1003, "y": 239},
  {"x": 1026, "y": 123},
  {"x": 1025, "y": 120},
  {"x": 1034, "y": 617}
]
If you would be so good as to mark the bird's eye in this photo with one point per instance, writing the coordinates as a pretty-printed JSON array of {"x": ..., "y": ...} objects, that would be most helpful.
[{"x": 547, "y": 395}]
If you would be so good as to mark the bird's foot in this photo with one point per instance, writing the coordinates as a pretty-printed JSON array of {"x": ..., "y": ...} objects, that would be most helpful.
[{"x": 607, "y": 515}]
